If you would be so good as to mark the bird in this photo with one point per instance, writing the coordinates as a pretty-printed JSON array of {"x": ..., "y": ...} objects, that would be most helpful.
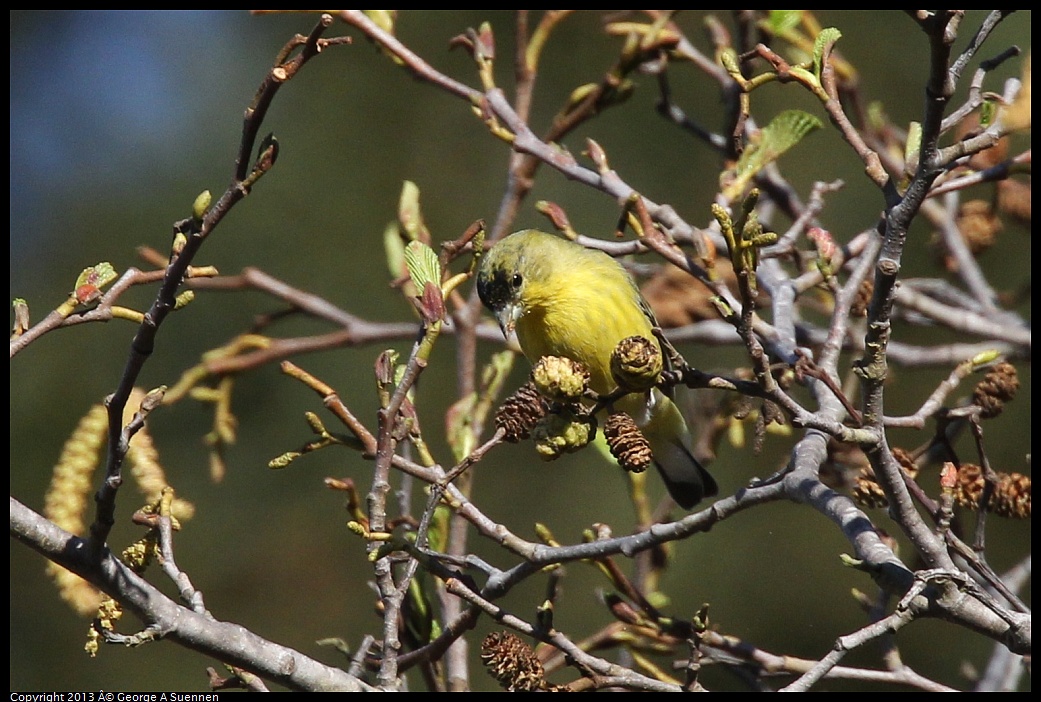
[{"x": 563, "y": 299}]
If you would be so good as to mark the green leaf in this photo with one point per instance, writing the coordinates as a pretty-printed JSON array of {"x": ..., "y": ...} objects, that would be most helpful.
[
  {"x": 385, "y": 19},
  {"x": 784, "y": 131},
  {"x": 912, "y": 146},
  {"x": 399, "y": 375},
  {"x": 828, "y": 36},
  {"x": 201, "y": 204},
  {"x": 781, "y": 22},
  {"x": 988, "y": 110},
  {"x": 984, "y": 358},
  {"x": 423, "y": 266},
  {"x": 409, "y": 214},
  {"x": 394, "y": 248},
  {"x": 97, "y": 276}
]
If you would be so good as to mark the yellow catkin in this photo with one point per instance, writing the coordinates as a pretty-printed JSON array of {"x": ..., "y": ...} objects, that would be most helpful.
[
  {"x": 71, "y": 489},
  {"x": 149, "y": 475},
  {"x": 145, "y": 467},
  {"x": 67, "y": 497}
]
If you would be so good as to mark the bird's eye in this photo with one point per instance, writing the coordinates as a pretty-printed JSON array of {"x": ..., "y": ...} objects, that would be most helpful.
[{"x": 516, "y": 280}]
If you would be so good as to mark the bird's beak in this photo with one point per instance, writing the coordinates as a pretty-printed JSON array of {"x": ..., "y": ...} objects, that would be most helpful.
[{"x": 508, "y": 316}]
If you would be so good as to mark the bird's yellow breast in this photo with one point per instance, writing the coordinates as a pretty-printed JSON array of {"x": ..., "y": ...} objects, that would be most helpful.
[{"x": 583, "y": 314}]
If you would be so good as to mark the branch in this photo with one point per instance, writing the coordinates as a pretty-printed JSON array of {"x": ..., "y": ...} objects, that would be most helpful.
[{"x": 230, "y": 643}]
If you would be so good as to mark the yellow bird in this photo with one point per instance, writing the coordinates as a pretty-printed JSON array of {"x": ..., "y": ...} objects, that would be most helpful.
[{"x": 563, "y": 299}]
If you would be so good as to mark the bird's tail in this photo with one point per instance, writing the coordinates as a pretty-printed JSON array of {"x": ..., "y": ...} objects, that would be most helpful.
[
  {"x": 666, "y": 431},
  {"x": 687, "y": 481}
]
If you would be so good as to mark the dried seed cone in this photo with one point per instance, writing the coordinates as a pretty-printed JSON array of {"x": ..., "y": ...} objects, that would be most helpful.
[
  {"x": 678, "y": 298},
  {"x": 997, "y": 387},
  {"x": 520, "y": 412},
  {"x": 1015, "y": 199},
  {"x": 512, "y": 663},
  {"x": 1011, "y": 496},
  {"x": 559, "y": 379},
  {"x": 906, "y": 461},
  {"x": 979, "y": 225},
  {"x": 969, "y": 486},
  {"x": 636, "y": 363},
  {"x": 866, "y": 490},
  {"x": 862, "y": 299},
  {"x": 627, "y": 443}
]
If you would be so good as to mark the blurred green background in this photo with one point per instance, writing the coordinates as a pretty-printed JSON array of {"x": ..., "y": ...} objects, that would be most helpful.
[{"x": 119, "y": 119}]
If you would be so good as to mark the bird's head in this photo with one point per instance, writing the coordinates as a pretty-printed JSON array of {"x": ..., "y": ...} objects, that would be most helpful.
[
  {"x": 499, "y": 287},
  {"x": 503, "y": 276}
]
